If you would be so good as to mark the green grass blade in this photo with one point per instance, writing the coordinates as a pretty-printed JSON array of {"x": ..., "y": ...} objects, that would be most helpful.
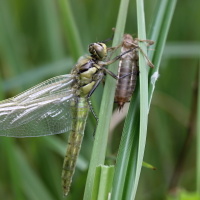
[
  {"x": 50, "y": 29},
  {"x": 144, "y": 91},
  {"x": 131, "y": 168},
  {"x": 37, "y": 74},
  {"x": 97, "y": 179},
  {"x": 162, "y": 24},
  {"x": 10, "y": 40},
  {"x": 198, "y": 137},
  {"x": 28, "y": 176},
  {"x": 182, "y": 50},
  {"x": 134, "y": 163},
  {"x": 102, "y": 182},
  {"x": 144, "y": 99},
  {"x": 143, "y": 103},
  {"x": 157, "y": 24},
  {"x": 70, "y": 29},
  {"x": 13, "y": 165},
  {"x": 100, "y": 144},
  {"x": 147, "y": 165},
  {"x": 129, "y": 141}
]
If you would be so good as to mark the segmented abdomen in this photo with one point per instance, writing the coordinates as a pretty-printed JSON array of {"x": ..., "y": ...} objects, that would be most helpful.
[
  {"x": 80, "y": 114},
  {"x": 126, "y": 85},
  {"x": 127, "y": 72}
]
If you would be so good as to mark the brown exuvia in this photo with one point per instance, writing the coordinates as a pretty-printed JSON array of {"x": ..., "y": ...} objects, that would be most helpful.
[{"x": 128, "y": 69}]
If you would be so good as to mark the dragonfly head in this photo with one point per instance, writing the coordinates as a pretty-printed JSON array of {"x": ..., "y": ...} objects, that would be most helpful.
[{"x": 98, "y": 50}]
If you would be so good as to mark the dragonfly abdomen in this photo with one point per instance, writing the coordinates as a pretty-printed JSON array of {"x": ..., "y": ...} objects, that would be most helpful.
[{"x": 74, "y": 143}]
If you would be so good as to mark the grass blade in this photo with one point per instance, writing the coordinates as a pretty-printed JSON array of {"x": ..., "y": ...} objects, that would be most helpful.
[
  {"x": 129, "y": 142},
  {"x": 198, "y": 137},
  {"x": 71, "y": 30},
  {"x": 131, "y": 192},
  {"x": 30, "y": 177},
  {"x": 50, "y": 29},
  {"x": 162, "y": 24},
  {"x": 103, "y": 182},
  {"x": 130, "y": 167},
  {"x": 13, "y": 55},
  {"x": 13, "y": 165},
  {"x": 101, "y": 136}
]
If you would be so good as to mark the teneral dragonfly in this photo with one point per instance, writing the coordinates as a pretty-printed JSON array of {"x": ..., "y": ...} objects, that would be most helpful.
[{"x": 58, "y": 105}]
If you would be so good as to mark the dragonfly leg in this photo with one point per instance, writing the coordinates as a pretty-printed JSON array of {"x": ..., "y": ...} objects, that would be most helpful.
[
  {"x": 89, "y": 95},
  {"x": 148, "y": 61},
  {"x": 110, "y": 73},
  {"x": 129, "y": 74},
  {"x": 98, "y": 79},
  {"x": 92, "y": 110},
  {"x": 114, "y": 48},
  {"x": 115, "y": 76},
  {"x": 109, "y": 39},
  {"x": 149, "y": 42},
  {"x": 94, "y": 114},
  {"x": 115, "y": 58}
]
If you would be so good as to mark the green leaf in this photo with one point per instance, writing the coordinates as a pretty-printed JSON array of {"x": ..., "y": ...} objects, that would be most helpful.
[
  {"x": 102, "y": 182},
  {"x": 131, "y": 151},
  {"x": 101, "y": 137},
  {"x": 71, "y": 30},
  {"x": 198, "y": 135}
]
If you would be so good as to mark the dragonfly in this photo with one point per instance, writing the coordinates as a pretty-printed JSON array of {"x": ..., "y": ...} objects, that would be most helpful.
[
  {"x": 128, "y": 69},
  {"x": 58, "y": 105}
]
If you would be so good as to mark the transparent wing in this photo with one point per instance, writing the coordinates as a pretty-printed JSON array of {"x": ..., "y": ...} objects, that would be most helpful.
[{"x": 44, "y": 109}]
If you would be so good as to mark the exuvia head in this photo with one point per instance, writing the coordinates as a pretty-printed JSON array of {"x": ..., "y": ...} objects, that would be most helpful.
[{"x": 98, "y": 50}]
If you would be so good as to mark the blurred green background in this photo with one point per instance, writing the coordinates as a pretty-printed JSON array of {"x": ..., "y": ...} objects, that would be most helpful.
[{"x": 42, "y": 39}]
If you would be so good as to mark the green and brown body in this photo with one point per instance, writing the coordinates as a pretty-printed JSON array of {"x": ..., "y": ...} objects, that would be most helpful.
[
  {"x": 80, "y": 112},
  {"x": 88, "y": 75}
]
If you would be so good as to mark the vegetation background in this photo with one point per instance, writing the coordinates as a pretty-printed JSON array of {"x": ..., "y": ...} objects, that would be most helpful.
[{"x": 42, "y": 39}]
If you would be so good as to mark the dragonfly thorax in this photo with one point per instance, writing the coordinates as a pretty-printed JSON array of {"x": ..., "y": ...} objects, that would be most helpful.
[{"x": 86, "y": 72}]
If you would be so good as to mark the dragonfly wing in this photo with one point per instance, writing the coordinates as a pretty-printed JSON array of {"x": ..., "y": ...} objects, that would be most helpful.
[{"x": 44, "y": 109}]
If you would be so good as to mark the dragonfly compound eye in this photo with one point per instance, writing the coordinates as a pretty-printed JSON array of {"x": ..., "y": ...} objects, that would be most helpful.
[{"x": 98, "y": 50}]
